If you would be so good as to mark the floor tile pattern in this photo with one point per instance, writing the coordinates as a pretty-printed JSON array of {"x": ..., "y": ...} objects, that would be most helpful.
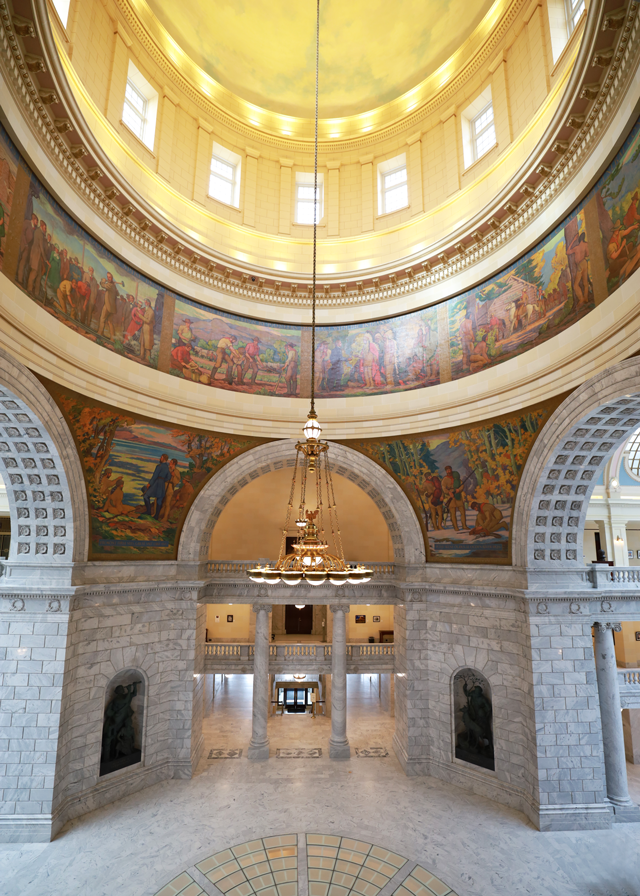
[
  {"x": 371, "y": 752},
  {"x": 182, "y": 885},
  {"x": 224, "y": 754},
  {"x": 299, "y": 753},
  {"x": 422, "y": 883},
  {"x": 340, "y": 866},
  {"x": 264, "y": 867}
]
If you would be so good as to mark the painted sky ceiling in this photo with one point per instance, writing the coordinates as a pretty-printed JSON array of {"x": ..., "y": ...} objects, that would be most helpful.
[{"x": 371, "y": 51}]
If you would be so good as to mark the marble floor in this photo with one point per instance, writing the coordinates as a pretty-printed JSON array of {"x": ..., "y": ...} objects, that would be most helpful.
[{"x": 136, "y": 846}]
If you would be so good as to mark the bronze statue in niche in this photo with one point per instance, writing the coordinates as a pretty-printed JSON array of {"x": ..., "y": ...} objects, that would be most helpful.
[
  {"x": 473, "y": 719},
  {"x": 118, "y": 733}
]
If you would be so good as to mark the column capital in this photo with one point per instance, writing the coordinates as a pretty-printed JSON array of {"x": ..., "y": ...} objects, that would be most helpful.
[
  {"x": 257, "y": 608},
  {"x": 414, "y": 138},
  {"x": 252, "y": 153},
  {"x": 333, "y": 164},
  {"x": 366, "y": 160},
  {"x": 614, "y": 626},
  {"x": 170, "y": 95},
  {"x": 286, "y": 163},
  {"x": 335, "y": 608},
  {"x": 205, "y": 126},
  {"x": 497, "y": 62}
]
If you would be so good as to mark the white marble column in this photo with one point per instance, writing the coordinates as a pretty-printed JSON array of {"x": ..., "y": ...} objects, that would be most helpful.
[
  {"x": 338, "y": 742},
  {"x": 612, "y": 733},
  {"x": 259, "y": 743}
]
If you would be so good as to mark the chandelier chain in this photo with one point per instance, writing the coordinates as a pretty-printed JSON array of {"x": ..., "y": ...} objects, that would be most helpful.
[{"x": 315, "y": 222}]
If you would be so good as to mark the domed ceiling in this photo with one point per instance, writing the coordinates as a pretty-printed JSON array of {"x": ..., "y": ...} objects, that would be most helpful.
[{"x": 371, "y": 51}]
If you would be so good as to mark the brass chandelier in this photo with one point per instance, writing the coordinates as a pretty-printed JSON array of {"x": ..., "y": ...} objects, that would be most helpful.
[{"x": 311, "y": 561}]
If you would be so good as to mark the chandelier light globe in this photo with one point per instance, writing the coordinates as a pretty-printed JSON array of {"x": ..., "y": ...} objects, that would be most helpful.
[
  {"x": 291, "y": 576},
  {"x": 300, "y": 606},
  {"x": 312, "y": 428}
]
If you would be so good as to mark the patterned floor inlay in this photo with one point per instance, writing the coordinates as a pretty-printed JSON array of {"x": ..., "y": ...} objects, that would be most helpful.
[
  {"x": 338, "y": 866},
  {"x": 299, "y": 753},
  {"x": 184, "y": 885},
  {"x": 268, "y": 867},
  {"x": 422, "y": 883},
  {"x": 224, "y": 754},
  {"x": 371, "y": 752},
  {"x": 335, "y": 866}
]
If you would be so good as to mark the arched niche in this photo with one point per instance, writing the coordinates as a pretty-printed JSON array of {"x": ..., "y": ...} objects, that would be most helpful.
[
  {"x": 473, "y": 718},
  {"x": 123, "y": 721},
  {"x": 395, "y": 507},
  {"x": 564, "y": 465},
  {"x": 42, "y": 473}
]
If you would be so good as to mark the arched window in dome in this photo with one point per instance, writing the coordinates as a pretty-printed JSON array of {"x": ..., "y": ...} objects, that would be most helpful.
[{"x": 632, "y": 452}]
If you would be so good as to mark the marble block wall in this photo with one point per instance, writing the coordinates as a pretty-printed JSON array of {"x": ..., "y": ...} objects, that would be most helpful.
[
  {"x": 436, "y": 634},
  {"x": 160, "y": 632},
  {"x": 567, "y": 717},
  {"x": 32, "y": 660}
]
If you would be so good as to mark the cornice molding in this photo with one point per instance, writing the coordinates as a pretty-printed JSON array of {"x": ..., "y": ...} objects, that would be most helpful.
[{"x": 511, "y": 211}]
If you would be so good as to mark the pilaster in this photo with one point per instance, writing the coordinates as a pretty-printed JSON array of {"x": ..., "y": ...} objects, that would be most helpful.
[
  {"x": 500, "y": 99},
  {"x": 250, "y": 187},
  {"x": 165, "y": 139},
  {"x": 332, "y": 198},
  {"x": 286, "y": 186},
  {"x": 449, "y": 121},
  {"x": 118, "y": 76},
  {"x": 414, "y": 171},
  {"x": 539, "y": 82},
  {"x": 203, "y": 161},
  {"x": 366, "y": 175}
]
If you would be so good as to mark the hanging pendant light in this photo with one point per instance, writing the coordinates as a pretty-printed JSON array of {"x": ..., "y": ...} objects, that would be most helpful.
[{"x": 311, "y": 561}]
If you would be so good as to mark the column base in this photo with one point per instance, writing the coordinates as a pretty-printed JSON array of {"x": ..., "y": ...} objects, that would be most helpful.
[
  {"x": 339, "y": 751},
  {"x": 258, "y": 753},
  {"x": 625, "y": 813}
]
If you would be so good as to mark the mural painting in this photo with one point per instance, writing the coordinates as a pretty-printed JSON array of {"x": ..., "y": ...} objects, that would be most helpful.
[
  {"x": 83, "y": 285},
  {"x": 383, "y": 356},
  {"x": 9, "y": 159},
  {"x": 463, "y": 483},
  {"x": 236, "y": 353},
  {"x": 618, "y": 193},
  {"x": 141, "y": 476},
  {"x": 544, "y": 293}
]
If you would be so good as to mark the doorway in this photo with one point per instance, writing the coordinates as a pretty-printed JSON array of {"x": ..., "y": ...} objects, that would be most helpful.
[{"x": 298, "y": 621}]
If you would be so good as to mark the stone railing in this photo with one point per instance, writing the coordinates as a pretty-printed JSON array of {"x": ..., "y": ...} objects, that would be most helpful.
[
  {"x": 602, "y": 576},
  {"x": 309, "y": 657},
  {"x": 231, "y": 568},
  {"x": 629, "y": 683}
]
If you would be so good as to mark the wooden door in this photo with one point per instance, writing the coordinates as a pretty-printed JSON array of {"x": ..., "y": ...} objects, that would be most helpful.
[{"x": 298, "y": 622}]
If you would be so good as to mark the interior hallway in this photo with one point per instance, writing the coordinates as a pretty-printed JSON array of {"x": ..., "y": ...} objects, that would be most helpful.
[{"x": 227, "y": 723}]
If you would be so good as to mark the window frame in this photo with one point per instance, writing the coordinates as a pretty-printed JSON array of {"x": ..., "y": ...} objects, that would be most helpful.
[
  {"x": 304, "y": 180},
  {"x": 632, "y": 444},
  {"x": 573, "y": 13},
  {"x": 476, "y": 135},
  {"x": 143, "y": 116},
  {"x": 385, "y": 169},
  {"x": 217, "y": 176},
  {"x": 149, "y": 95},
  {"x": 225, "y": 156}
]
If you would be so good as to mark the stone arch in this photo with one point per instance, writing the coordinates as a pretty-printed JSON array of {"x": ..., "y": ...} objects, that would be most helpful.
[
  {"x": 404, "y": 528},
  {"x": 42, "y": 472},
  {"x": 563, "y": 467}
]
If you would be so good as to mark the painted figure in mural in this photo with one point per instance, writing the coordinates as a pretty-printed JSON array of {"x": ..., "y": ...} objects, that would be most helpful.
[
  {"x": 105, "y": 482},
  {"x": 391, "y": 359},
  {"x": 617, "y": 250},
  {"x": 185, "y": 333},
  {"x": 489, "y": 518},
  {"x": 235, "y": 365},
  {"x": 223, "y": 356},
  {"x": 136, "y": 315},
  {"x": 251, "y": 360},
  {"x": 127, "y": 313},
  {"x": 172, "y": 485},
  {"x": 37, "y": 259},
  {"x": 632, "y": 217},
  {"x": 478, "y": 357},
  {"x": 148, "y": 324},
  {"x": 467, "y": 339},
  {"x": 115, "y": 500},
  {"x": 291, "y": 369},
  {"x": 336, "y": 368},
  {"x": 579, "y": 250},
  {"x": 90, "y": 303},
  {"x": 66, "y": 294},
  {"x": 110, "y": 307},
  {"x": 118, "y": 735},
  {"x": 322, "y": 366},
  {"x": 181, "y": 360},
  {"x": 157, "y": 487},
  {"x": 453, "y": 491},
  {"x": 370, "y": 363},
  {"x": 26, "y": 239},
  {"x": 432, "y": 489}
]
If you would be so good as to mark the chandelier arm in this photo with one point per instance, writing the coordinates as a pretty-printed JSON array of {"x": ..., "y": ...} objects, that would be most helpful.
[
  {"x": 283, "y": 540},
  {"x": 337, "y": 536},
  {"x": 319, "y": 503},
  {"x": 303, "y": 485},
  {"x": 315, "y": 222}
]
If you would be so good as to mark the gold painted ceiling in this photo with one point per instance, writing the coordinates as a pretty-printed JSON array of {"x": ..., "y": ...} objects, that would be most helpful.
[{"x": 371, "y": 51}]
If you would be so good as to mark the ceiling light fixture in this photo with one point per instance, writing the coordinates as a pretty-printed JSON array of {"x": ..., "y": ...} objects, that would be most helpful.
[{"x": 311, "y": 561}]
